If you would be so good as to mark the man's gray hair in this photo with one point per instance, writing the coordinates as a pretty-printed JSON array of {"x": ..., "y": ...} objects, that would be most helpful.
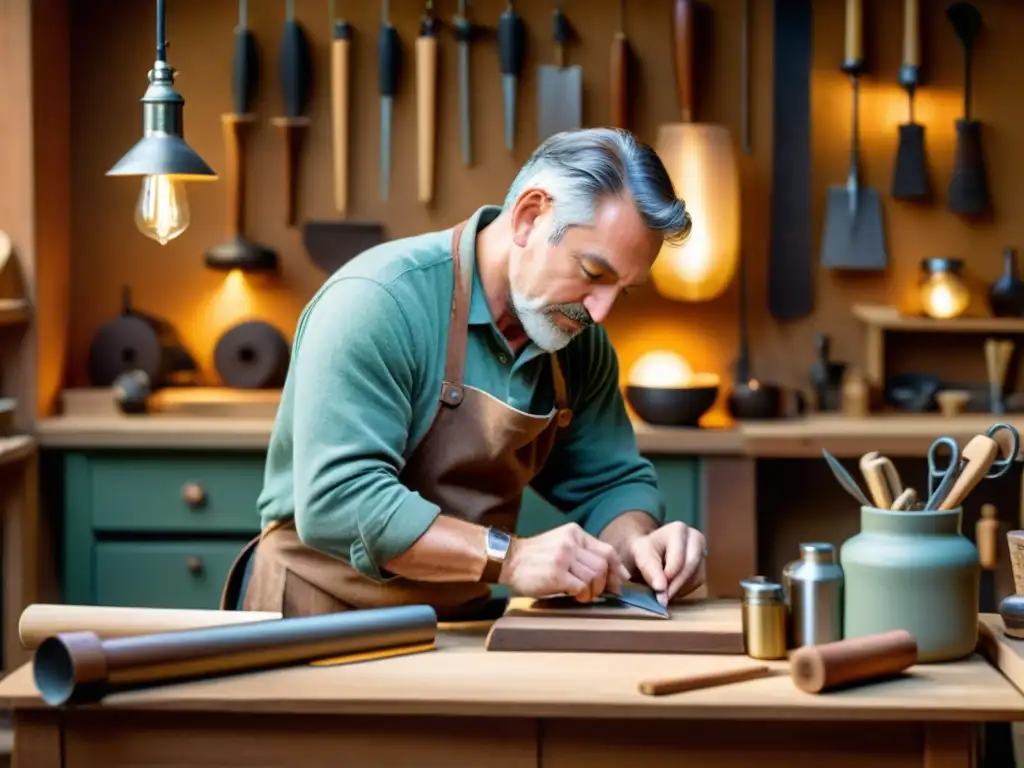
[{"x": 582, "y": 168}]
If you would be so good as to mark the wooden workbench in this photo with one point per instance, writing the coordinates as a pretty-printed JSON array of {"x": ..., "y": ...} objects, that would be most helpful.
[{"x": 461, "y": 705}]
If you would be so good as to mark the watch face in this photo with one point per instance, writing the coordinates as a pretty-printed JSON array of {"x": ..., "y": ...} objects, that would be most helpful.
[{"x": 497, "y": 543}]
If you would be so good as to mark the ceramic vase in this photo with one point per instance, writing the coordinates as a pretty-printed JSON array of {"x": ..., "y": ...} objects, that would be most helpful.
[
  {"x": 1006, "y": 296},
  {"x": 914, "y": 571}
]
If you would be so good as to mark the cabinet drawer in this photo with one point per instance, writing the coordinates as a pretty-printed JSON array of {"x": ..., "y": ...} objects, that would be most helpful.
[
  {"x": 180, "y": 574},
  {"x": 151, "y": 492}
]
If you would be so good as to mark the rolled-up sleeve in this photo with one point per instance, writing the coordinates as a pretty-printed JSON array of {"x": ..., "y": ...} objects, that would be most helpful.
[
  {"x": 354, "y": 375},
  {"x": 596, "y": 469}
]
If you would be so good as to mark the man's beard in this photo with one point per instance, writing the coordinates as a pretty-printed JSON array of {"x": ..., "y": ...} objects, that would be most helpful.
[{"x": 538, "y": 321}]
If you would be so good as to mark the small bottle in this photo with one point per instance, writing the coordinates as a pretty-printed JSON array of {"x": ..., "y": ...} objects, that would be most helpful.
[
  {"x": 816, "y": 596},
  {"x": 764, "y": 619}
]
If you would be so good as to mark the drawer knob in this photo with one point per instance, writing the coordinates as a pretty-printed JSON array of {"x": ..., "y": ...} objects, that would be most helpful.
[
  {"x": 194, "y": 564},
  {"x": 193, "y": 495}
]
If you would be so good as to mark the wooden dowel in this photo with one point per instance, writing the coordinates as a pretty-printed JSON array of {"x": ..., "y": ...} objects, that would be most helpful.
[{"x": 709, "y": 680}]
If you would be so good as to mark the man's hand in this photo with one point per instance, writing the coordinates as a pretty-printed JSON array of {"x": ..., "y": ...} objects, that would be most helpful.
[
  {"x": 670, "y": 559},
  {"x": 565, "y": 560}
]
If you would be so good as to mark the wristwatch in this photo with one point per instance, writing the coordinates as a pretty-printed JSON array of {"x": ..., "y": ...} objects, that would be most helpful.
[{"x": 497, "y": 545}]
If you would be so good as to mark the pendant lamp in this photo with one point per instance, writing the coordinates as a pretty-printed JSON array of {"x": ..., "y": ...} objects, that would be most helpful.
[
  {"x": 161, "y": 157},
  {"x": 701, "y": 161}
]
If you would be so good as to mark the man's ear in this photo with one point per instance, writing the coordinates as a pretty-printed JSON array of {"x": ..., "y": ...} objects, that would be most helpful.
[{"x": 528, "y": 209}]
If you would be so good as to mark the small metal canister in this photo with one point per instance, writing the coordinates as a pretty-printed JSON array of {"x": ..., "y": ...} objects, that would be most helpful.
[
  {"x": 764, "y": 619},
  {"x": 814, "y": 594}
]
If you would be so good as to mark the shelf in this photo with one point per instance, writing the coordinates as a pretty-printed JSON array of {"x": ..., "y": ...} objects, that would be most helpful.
[
  {"x": 889, "y": 319},
  {"x": 14, "y": 311}
]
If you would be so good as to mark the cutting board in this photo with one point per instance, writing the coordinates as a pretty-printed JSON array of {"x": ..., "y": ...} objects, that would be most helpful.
[{"x": 697, "y": 626}]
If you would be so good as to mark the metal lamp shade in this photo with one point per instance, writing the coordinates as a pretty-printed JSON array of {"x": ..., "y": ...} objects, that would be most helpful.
[
  {"x": 701, "y": 162},
  {"x": 163, "y": 155}
]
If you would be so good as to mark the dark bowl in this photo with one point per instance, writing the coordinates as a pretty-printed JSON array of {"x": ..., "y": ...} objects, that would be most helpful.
[
  {"x": 672, "y": 407},
  {"x": 748, "y": 403}
]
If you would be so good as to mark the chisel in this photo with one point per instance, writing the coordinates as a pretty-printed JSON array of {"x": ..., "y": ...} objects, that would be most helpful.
[
  {"x": 389, "y": 62},
  {"x": 511, "y": 50},
  {"x": 295, "y": 79},
  {"x": 426, "y": 101},
  {"x": 340, "y": 52},
  {"x": 463, "y": 33}
]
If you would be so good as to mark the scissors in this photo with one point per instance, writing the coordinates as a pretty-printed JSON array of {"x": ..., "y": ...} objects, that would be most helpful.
[
  {"x": 1002, "y": 466},
  {"x": 945, "y": 475}
]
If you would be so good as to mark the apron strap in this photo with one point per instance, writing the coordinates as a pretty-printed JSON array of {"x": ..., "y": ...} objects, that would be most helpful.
[
  {"x": 564, "y": 415},
  {"x": 455, "y": 356}
]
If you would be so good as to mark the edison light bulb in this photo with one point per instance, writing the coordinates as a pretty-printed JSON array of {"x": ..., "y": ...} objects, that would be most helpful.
[
  {"x": 162, "y": 212},
  {"x": 944, "y": 296}
]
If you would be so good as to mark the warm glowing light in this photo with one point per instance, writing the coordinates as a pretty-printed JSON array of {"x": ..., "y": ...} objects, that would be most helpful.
[
  {"x": 702, "y": 165},
  {"x": 664, "y": 369},
  {"x": 162, "y": 212},
  {"x": 943, "y": 295}
]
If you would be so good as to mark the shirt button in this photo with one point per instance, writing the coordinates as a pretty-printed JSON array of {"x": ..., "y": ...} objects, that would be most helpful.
[{"x": 502, "y": 358}]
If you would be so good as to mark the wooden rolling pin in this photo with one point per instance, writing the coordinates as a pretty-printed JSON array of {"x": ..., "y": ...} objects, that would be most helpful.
[
  {"x": 426, "y": 102},
  {"x": 709, "y": 680},
  {"x": 620, "y": 73},
  {"x": 42, "y": 620},
  {"x": 341, "y": 52},
  {"x": 817, "y": 668}
]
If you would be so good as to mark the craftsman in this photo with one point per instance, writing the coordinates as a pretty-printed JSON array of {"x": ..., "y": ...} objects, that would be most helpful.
[{"x": 435, "y": 377}]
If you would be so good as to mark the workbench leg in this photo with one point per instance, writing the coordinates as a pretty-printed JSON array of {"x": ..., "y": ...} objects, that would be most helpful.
[
  {"x": 729, "y": 520},
  {"x": 949, "y": 745},
  {"x": 37, "y": 739},
  {"x": 19, "y": 483}
]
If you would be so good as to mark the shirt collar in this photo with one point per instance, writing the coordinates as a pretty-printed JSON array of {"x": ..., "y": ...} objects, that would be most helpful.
[{"x": 479, "y": 309}]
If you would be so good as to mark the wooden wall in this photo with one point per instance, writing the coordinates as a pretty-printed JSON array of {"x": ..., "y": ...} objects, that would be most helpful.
[{"x": 112, "y": 50}]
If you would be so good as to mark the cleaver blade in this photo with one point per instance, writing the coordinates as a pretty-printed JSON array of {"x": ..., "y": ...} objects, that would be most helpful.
[{"x": 560, "y": 91}]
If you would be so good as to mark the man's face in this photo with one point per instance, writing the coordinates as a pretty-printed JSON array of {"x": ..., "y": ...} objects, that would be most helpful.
[{"x": 559, "y": 290}]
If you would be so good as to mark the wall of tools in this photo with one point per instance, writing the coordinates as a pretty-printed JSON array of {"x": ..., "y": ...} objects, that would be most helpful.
[{"x": 173, "y": 282}]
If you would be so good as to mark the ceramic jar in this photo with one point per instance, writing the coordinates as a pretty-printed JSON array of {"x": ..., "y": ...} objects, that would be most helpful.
[{"x": 914, "y": 571}]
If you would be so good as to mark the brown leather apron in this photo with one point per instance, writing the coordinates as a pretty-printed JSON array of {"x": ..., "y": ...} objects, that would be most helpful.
[{"x": 476, "y": 459}]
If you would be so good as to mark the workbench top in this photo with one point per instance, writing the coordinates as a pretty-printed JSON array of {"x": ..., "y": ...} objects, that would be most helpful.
[
  {"x": 893, "y": 435},
  {"x": 461, "y": 678}
]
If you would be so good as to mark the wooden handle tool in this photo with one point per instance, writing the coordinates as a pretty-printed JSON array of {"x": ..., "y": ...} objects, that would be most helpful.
[
  {"x": 682, "y": 36},
  {"x": 977, "y": 458},
  {"x": 341, "y": 45},
  {"x": 295, "y": 74},
  {"x": 854, "y": 49},
  {"x": 426, "y": 102},
  {"x": 911, "y": 34},
  {"x": 905, "y": 500},
  {"x": 883, "y": 480},
  {"x": 986, "y": 537},
  {"x": 234, "y": 129},
  {"x": 620, "y": 73},
  {"x": 696, "y": 682}
]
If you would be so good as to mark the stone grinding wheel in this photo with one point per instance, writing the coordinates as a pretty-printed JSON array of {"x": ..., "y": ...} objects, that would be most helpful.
[{"x": 252, "y": 355}]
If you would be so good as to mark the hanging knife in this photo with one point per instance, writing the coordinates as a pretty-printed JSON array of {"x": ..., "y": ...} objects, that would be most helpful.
[
  {"x": 389, "y": 62},
  {"x": 245, "y": 76},
  {"x": 426, "y": 101},
  {"x": 340, "y": 51},
  {"x": 295, "y": 72},
  {"x": 463, "y": 33},
  {"x": 511, "y": 50}
]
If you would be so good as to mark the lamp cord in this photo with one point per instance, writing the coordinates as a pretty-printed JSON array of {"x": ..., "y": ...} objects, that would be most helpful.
[{"x": 161, "y": 37}]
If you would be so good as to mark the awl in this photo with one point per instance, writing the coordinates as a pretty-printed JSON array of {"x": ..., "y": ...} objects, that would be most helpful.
[
  {"x": 463, "y": 36},
  {"x": 389, "y": 62},
  {"x": 511, "y": 49},
  {"x": 341, "y": 42}
]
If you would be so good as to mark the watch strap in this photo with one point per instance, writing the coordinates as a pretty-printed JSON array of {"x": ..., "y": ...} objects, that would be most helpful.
[{"x": 498, "y": 544}]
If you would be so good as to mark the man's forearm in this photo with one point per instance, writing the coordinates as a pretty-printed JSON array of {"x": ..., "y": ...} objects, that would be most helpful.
[
  {"x": 623, "y": 529},
  {"x": 449, "y": 550}
]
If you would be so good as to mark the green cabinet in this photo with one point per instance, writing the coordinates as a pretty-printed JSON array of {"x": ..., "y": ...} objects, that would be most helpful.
[
  {"x": 160, "y": 529},
  {"x": 678, "y": 478}
]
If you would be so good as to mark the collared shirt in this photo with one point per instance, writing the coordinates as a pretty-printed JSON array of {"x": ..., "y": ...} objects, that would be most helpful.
[{"x": 362, "y": 389}]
